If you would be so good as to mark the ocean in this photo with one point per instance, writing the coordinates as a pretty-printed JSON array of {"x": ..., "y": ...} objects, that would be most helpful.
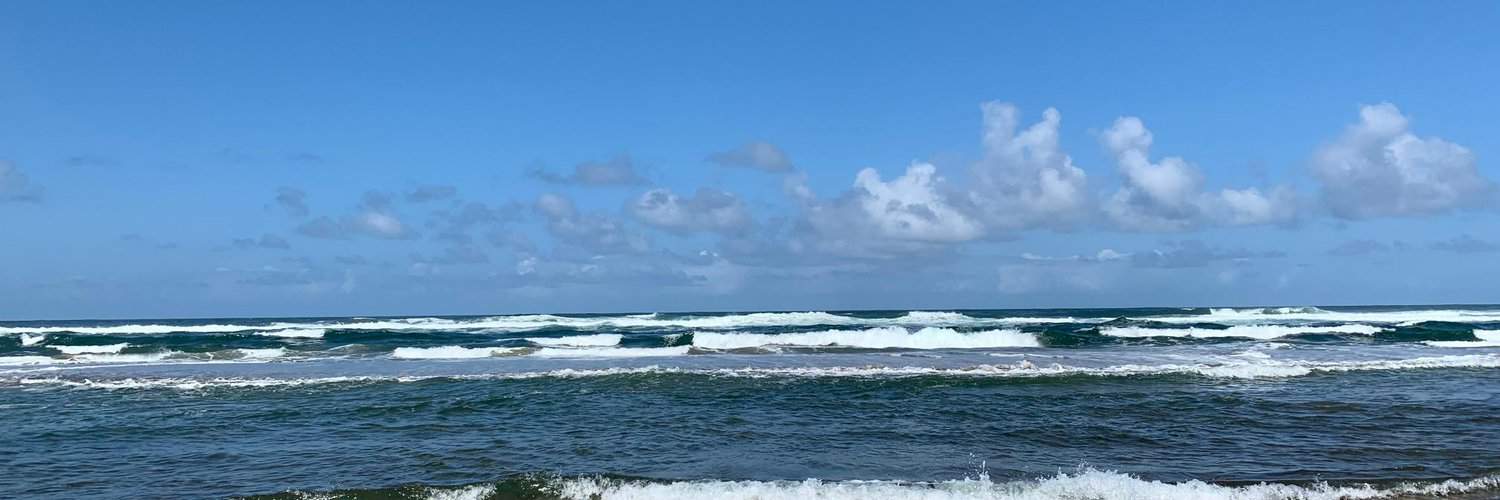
[{"x": 1164, "y": 403}]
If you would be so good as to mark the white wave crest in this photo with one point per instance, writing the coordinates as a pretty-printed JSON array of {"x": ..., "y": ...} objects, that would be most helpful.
[
  {"x": 88, "y": 358},
  {"x": 274, "y": 352},
  {"x": 874, "y": 338},
  {"x": 451, "y": 352},
  {"x": 31, "y": 340},
  {"x": 611, "y": 352},
  {"x": 1487, "y": 338},
  {"x": 540, "y": 321},
  {"x": 597, "y": 340},
  {"x": 1088, "y": 484},
  {"x": 1240, "y": 331},
  {"x": 90, "y": 349},
  {"x": 296, "y": 333},
  {"x": 1399, "y": 317},
  {"x": 1237, "y": 368}
]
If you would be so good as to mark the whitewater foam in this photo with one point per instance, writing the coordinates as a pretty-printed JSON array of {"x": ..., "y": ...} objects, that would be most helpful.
[
  {"x": 874, "y": 338},
  {"x": 28, "y": 340},
  {"x": 451, "y": 352},
  {"x": 90, "y": 349},
  {"x": 1310, "y": 314},
  {"x": 597, "y": 340},
  {"x": 1226, "y": 368},
  {"x": 296, "y": 333},
  {"x": 611, "y": 352},
  {"x": 274, "y": 352},
  {"x": 1262, "y": 332},
  {"x": 1088, "y": 484},
  {"x": 1487, "y": 338},
  {"x": 541, "y": 321}
]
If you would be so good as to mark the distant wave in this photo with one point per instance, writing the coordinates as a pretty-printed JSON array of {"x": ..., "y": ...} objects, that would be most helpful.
[
  {"x": 874, "y": 338},
  {"x": 541, "y": 321},
  {"x": 1399, "y": 317},
  {"x": 1241, "y": 331}
]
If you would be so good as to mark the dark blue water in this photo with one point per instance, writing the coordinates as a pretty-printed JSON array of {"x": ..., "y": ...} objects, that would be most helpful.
[{"x": 1166, "y": 403}]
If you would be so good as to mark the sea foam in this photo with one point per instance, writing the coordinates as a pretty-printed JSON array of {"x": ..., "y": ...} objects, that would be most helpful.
[
  {"x": 874, "y": 338},
  {"x": 1241, "y": 331}
]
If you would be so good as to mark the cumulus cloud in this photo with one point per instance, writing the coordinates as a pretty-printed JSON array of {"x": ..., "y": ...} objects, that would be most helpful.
[
  {"x": 1465, "y": 243},
  {"x": 758, "y": 155},
  {"x": 293, "y": 200},
  {"x": 594, "y": 233},
  {"x": 16, "y": 186},
  {"x": 1167, "y": 195},
  {"x": 708, "y": 210},
  {"x": 618, "y": 171},
  {"x": 1378, "y": 167},
  {"x": 1025, "y": 179}
]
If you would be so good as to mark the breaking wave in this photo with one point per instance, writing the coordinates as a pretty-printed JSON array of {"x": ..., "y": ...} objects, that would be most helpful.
[
  {"x": 1487, "y": 338},
  {"x": 1234, "y": 368},
  {"x": 598, "y": 340},
  {"x": 451, "y": 352},
  {"x": 874, "y": 338},
  {"x": 1084, "y": 484},
  {"x": 1241, "y": 331}
]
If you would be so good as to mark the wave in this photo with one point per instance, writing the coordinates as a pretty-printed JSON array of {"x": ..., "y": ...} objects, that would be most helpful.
[
  {"x": 1083, "y": 484},
  {"x": 530, "y": 322},
  {"x": 136, "y": 329},
  {"x": 611, "y": 352},
  {"x": 451, "y": 352},
  {"x": 296, "y": 333},
  {"x": 1399, "y": 317},
  {"x": 88, "y": 359},
  {"x": 28, "y": 340},
  {"x": 274, "y": 352},
  {"x": 874, "y": 338},
  {"x": 1239, "y": 368},
  {"x": 90, "y": 349},
  {"x": 598, "y": 340},
  {"x": 1244, "y": 331},
  {"x": 1487, "y": 338}
]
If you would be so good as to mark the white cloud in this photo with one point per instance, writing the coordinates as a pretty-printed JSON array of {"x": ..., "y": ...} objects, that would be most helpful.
[
  {"x": 1167, "y": 195},
  {"x": 1025, "y": 179},
  {"x": 912, "y": 207},
  {"x": 1379, "y": 168},
  {"x": 707, "y": 210}
]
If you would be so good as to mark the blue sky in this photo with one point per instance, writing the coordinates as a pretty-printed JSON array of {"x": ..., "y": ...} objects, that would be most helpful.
[{"x": 178, "y": 159}]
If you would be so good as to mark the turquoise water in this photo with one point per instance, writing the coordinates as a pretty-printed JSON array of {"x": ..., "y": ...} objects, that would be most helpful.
[{"x": 1390, "y": 402}]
